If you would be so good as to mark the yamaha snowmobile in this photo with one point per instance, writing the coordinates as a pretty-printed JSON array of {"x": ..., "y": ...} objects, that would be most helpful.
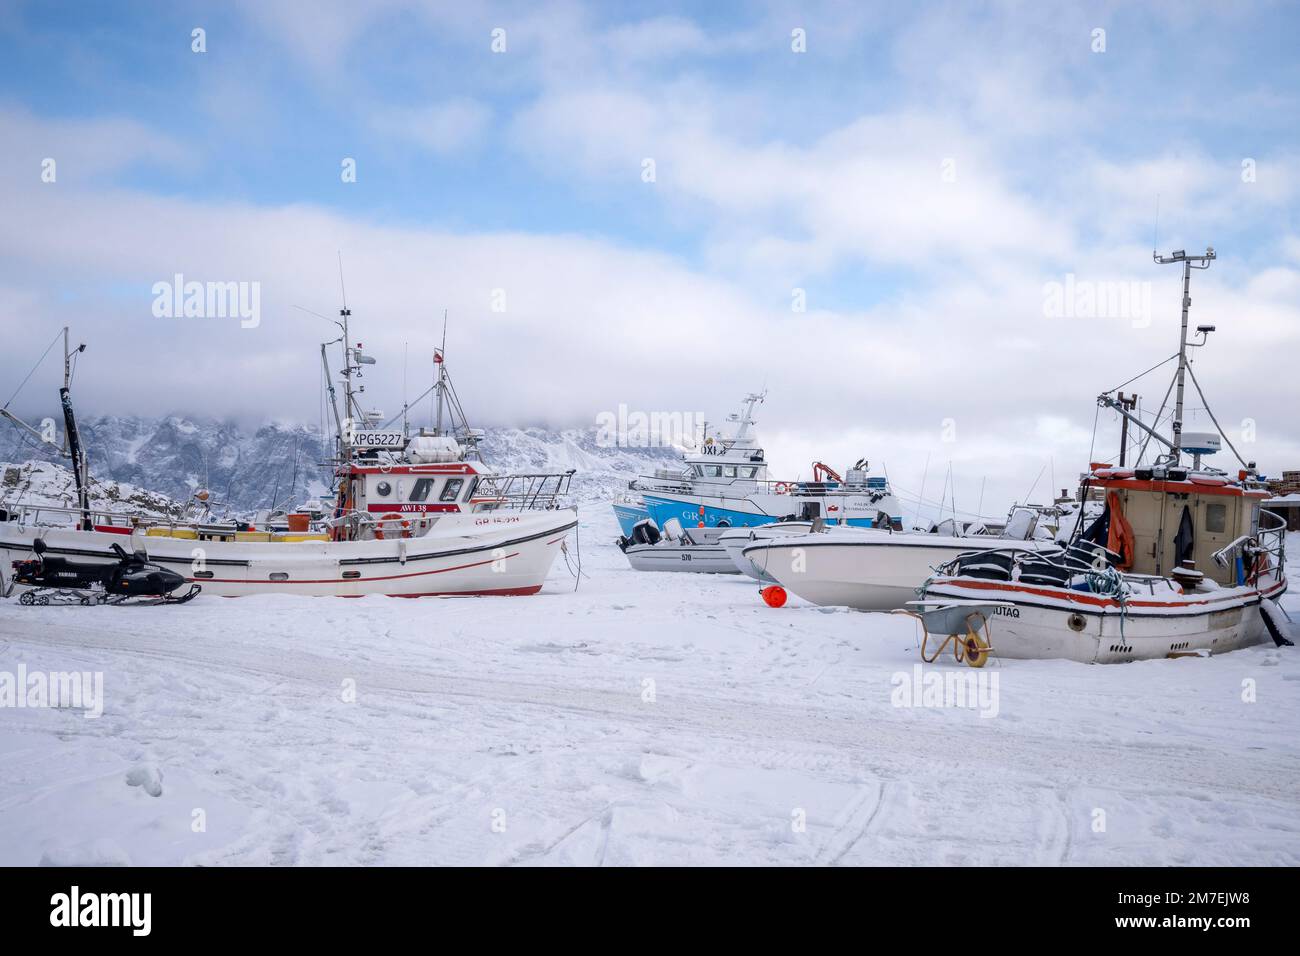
[{"x": 132, "y": 579}]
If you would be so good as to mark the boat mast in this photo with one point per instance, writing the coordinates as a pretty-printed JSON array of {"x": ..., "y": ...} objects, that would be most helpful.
[
  {"x": 334, "y": 401},
  {"x": 345, "y": 441},
  {"x": 439, "y": 359},
  {"x": 746, "y": 418},
  {"x": 72, "y": 438},
  {"x": 1189, "y": 263}
]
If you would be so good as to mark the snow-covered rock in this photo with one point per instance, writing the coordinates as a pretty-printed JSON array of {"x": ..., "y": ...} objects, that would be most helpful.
[
  {"x": 283, "y": 462},
  {"x": 45, "y": 483}
]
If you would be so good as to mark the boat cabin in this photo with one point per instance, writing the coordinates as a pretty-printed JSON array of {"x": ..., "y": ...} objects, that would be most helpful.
[{"x": 1159, "y": 519}]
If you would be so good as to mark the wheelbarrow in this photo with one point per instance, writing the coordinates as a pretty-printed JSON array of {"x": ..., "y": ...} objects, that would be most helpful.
[{"x": 960, "y": 623}]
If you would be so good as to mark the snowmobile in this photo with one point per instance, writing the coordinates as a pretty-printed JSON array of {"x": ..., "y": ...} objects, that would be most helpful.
[{"x": 132, "y": 579}]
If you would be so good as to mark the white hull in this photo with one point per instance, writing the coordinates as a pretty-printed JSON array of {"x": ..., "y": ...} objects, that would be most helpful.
[
  {"x": 671, "y": 556},
  {"x": 503, "y": 553},
  {"x": 737, "y": 539},
  {"x": 1049, "y": 622},
  {"x": 861, "y": 567}
]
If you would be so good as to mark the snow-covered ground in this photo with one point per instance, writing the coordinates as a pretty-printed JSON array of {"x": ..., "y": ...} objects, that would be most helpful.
[{"x": 644, "y": 719}]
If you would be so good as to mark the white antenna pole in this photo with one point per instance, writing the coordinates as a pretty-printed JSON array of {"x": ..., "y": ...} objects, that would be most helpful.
[
  {"x": 441, "y": 359},
  {"x": 1189, "y": 263},
  {"x": 349, "y": 403}
]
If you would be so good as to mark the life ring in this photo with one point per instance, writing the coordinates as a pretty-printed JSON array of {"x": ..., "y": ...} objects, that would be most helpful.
[
  {"x": 386, "y": 465},
  {"x": 782, "y": 488},
  {"x": 392, "y": 516}
]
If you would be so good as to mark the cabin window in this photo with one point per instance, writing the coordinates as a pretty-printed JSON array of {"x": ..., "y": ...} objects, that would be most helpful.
[
  {"x": 713, "y": 471},
  {"x": 699, "y": 472},
  {"x": 729, "y": 471},
  {"x": 421, "y": 489},
  {"x": 451, "y": 489},
  {"x": 1216, "y": 518},
  {"x": 747, "y": 472},
  {"x": 383, "y": 489}
]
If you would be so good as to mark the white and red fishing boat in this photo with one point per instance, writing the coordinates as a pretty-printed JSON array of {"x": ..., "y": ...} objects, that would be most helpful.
[
  {"x": 414, "y": 515},
  {"x": 1182, "y": 560}
]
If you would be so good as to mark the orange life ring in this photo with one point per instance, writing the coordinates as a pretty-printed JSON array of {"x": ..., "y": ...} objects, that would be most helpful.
[
  {"x": 392, "y": 516},
  {"x": 782, "y": 488}
]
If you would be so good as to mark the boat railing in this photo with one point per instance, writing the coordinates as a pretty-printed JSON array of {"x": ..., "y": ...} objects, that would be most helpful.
[
  {"x": 40, "y": 514},
  {"x": 532, "y": 491},
  {"x": 1271, "y": 541},
  {"x": 870, "y": 486}
]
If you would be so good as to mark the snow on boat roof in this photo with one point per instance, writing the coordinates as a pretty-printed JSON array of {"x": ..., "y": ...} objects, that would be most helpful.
[{"x": 1205, "y": 482}]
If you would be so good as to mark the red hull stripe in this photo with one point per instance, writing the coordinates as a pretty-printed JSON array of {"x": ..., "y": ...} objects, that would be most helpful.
[
  {"x": 386, "y": 577},
  {"x": 494, "y": 592},
  {"x": 1079, "y": 596},
  {"x": 112, "y": 529}
]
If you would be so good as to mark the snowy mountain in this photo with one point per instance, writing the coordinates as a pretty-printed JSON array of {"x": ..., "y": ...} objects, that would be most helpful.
[
  {"x": 45, "y": 483},
  {"x": 281, "y": 462}
]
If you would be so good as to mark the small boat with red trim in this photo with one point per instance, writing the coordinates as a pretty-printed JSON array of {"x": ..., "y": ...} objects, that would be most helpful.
[
  {"x": 1183, "y": 559},
  {"x": 414, "y": 515}
]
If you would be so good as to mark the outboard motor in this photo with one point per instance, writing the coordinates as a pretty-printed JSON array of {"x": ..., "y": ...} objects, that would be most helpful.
[{"x": 645, "y": 532}]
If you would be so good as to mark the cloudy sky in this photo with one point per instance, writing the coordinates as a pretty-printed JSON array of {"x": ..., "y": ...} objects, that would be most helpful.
[{"x": 925, "y": 229}]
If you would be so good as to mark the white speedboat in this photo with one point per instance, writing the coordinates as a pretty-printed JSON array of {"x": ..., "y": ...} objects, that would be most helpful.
[
  {"x": 735, "y": 540},
  {"x": 864, "y": 568},
  {"x": 413, "y": 515},
  {"x": 675, "y": 549},
  {"x": 1183, "y": 559}
]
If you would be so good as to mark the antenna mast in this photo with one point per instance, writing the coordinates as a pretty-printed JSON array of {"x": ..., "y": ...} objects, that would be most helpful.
[
  {"x": 72, "y": 437},
  {"x": 1189, "y": 263},
  {"x": 439, "y": 357}
]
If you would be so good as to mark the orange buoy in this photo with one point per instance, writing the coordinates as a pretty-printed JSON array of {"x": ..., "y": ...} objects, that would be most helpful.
[{"x": 774, "y": 595}]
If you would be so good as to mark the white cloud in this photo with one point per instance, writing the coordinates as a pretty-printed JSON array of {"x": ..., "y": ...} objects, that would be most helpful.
[
  {"x": 442, "y": 128},
  {"x": 939, "y": 284},
  {"x": 897, "y": 189},
  {"x": 84, "y": 150}
]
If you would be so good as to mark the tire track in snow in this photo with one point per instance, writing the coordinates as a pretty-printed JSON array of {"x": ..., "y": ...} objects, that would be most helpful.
[
  {"x": 862, "y": 813},
  {"x": 884, "y": 745}
]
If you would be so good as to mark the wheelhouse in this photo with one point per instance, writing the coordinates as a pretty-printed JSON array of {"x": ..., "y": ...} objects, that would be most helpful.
[{"x": 1161, "y": 520}]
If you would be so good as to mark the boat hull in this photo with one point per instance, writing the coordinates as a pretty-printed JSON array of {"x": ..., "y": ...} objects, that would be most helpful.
[
  {"x": 870, "y": 570},
  {"x": 629, "y": 515},
  {"x": 694, "y": 558},
  {"x": 736, "y": 540},
  {"x": 749, "y": 512},
  {"x": 472, "y": 554},
  {"x": 1050, "y": 622}
]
